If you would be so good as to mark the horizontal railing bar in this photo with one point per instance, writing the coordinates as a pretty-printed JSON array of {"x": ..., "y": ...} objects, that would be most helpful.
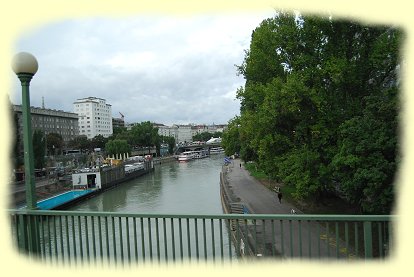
[{"x": 216, "y": 216}]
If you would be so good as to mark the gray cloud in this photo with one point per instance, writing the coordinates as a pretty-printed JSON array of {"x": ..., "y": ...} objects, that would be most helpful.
[{"x": 163, "y": 69}]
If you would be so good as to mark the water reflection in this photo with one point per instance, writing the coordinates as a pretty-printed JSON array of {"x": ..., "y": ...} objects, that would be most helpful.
[{"x": 190, "y": 188}]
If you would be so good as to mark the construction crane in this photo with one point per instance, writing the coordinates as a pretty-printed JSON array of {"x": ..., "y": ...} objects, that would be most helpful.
[{"x": 122, "y": 116}]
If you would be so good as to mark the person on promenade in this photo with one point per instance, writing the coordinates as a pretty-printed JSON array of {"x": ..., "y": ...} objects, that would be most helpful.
[
  {"x": 240, "y": 164},
  {"x": 279, "y": 195}
]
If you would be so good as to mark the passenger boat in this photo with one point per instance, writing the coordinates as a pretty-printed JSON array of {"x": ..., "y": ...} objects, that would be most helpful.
[
  {"x": 186, "y": 156},
  {"x": 200, "y": 154},
  {"x": 216, "y": 150}
]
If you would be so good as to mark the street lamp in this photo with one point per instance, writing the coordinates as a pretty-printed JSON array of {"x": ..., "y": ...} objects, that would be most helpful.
[{"x": 25, "y": 66}]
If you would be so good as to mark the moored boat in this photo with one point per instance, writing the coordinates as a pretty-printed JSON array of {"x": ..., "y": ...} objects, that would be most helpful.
[
  {"x": 216, "y": 150},
  {"x": 200, "y": 154},
  {"x": 186, "y": 156}
]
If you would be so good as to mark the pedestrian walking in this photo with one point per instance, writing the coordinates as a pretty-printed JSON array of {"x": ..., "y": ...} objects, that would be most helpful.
[
  {"x": 240, "y": 165},
  {"x": 279, "y": 195}
]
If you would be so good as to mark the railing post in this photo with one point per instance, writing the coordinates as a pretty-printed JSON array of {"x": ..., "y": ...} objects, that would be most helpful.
[
  {"x": 368, "y": 239},
  {"x": 28, "y": 235},
  {"x": 242, "y": 236},
  {"x": 22, "y": 233}
]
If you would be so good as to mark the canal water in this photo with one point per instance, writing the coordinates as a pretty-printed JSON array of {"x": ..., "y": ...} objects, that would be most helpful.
[
  {"x": 191, "y": 188},
  {"x": 173, "y": 188}
]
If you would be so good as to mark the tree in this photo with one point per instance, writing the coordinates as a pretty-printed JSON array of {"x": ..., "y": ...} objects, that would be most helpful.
[
  {"x": 80, "y": 142},
  {"x": 170, "y": 141},
  {"x": 366, "y": 163},
  {"x": 205, "y": 136},
  {"x": 119, "y": 130},
  {"x": 231, "y": 137},
  {"x": 17, "y": 143},
  {"x": 144, "y": 134},
  {"x": 98, "y": 141},
  {"x": 310, "y": 104},
  {"x": 117, "y": 147},
  {"x": 54, "y": 143},
  {"x": 39, "y": 148}
]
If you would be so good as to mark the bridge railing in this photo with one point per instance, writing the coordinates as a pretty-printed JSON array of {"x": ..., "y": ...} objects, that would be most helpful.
[{"x": 122, "y": 238}]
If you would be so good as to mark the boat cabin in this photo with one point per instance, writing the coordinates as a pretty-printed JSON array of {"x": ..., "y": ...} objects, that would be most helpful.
[{"x": 86, "y": 179}]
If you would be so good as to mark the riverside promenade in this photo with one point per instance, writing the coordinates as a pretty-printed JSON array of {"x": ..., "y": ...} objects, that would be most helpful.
[
  {"x": 256, "y": 197},
  {"x": 286, "y": 238}
]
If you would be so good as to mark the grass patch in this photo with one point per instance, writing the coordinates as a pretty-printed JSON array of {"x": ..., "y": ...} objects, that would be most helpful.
[{"x": 255, "y": 171}]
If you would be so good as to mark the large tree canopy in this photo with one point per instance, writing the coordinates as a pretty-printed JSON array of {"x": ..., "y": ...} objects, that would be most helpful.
[
  {"x": 144, "y": 134},
  {"x": 117, "y": 147},
  {"x": 319, "y": 109}
]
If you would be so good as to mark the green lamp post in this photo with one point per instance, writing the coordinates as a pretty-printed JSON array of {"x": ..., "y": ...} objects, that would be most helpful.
[{"x": 25, "y": 66}]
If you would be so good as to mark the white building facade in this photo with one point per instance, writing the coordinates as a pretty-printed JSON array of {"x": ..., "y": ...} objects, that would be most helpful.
[
  {"x": 95, "y": 117},
  {"x": 168, "y": 131},
  {"x": 185, "y": 133}
]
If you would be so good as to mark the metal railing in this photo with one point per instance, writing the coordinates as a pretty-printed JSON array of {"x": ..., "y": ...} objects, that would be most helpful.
[{"x": 123, "y": 238}]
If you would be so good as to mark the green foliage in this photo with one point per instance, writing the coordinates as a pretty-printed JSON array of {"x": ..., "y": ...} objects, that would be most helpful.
[
  {"x": 17, "y": 155},
  {"x": 39, "y": 149},
  {"x": 144, "y": 134},
  {"x": 231, "y": 137},
  {"x": 54, "y": 143},
  {"x": 299, "y": 169},
  {"x": 98, "y": 141},
  {"x": 80, "y": 142},
  {"x": 170, "y": 141},
  {"x": 255, "y": 171},
  {"x": 118, "y": 130},
  {"x": 319, "y": 108},
  {"x": 366, "y": 162},
  {"x": 117, "y": 146},
  {"x": 205, "y": 136}
]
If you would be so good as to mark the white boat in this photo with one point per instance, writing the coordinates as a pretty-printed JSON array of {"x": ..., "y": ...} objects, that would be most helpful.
[
  {"x": 216, "y": 150},
  {"x": 213, "y": 140},
  {"x": 129, "y": 168},
  {"x": 200, "y": 154},
  {"x": 186, "y": 156}
]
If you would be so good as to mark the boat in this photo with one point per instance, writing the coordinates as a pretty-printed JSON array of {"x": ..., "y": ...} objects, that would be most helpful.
[
  {"x": 107, "y": 176},
  {"x": 129, "y": 168},
  {"x": 200, "y": 154},
  {"x": 213, "y": 140},
  {"x": 216, "y": 150},
  {"x": 87, "y": 182},
  {"x": 186, "y": 156}
]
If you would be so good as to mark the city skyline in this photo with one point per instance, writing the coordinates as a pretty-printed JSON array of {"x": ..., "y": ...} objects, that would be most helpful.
[
  {"x": 167, "y": 69},
  {"x": 130, "y": 122}
]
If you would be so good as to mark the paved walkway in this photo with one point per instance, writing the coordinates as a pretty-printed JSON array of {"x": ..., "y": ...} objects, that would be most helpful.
[
  {"x": 295, "y": 238},
  {"x": 258, "y": 198}
]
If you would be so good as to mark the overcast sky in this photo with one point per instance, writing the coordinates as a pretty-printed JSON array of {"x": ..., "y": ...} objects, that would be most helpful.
[{"x": 162, "y": 69}]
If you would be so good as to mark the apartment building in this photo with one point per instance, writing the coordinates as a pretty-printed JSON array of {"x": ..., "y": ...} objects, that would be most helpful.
[
  {"x": 95, "y": 117},
  {"x": 118, "y": 122},
  {"x": 50, "y": 121},
  {"x": 168, "y": 131}
]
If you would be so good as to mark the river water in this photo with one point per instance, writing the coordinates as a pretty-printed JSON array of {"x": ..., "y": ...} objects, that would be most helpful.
[
  {"x": 173, "y": 188},
  {"x": 191, "y": 188}
]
